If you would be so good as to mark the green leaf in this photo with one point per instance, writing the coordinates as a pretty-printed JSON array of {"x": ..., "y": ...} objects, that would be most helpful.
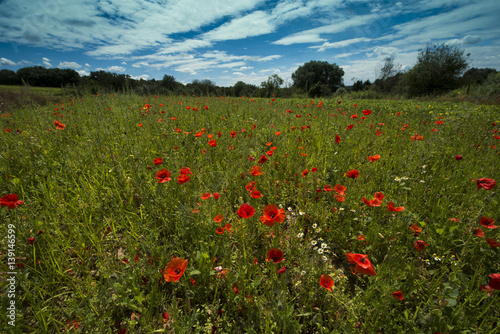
[
  {"x": 439, "y": 231},
  {"x": 194, "y": 272}
]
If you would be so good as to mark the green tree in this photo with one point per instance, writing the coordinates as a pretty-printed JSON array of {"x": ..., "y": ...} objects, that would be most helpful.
[
  {"x": 318, "y": 75},
  {"x": 438, "y": 69},
  {"x": 272, "y": 85}
]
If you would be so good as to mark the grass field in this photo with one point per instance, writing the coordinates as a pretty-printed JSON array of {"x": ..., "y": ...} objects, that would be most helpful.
[{"x": 366, "y": 216}]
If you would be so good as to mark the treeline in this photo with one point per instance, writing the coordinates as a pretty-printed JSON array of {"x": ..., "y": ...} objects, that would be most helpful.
[{"x": 439, "y": 69}]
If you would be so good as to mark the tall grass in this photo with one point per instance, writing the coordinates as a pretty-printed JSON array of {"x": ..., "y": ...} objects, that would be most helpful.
[{"x": 104, "y": 228}]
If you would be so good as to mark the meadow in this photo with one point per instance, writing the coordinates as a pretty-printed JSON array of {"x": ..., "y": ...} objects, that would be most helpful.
[{"x": 183, "y": 214}]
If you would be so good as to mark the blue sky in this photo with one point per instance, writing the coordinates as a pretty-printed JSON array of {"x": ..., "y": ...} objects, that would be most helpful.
[{"x": 240, "y": 40}]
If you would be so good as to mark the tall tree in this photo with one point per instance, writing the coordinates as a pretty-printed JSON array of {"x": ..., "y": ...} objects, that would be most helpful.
[
  {"x": 316, "y": 74},
  {"x": 437, "y": 70}
]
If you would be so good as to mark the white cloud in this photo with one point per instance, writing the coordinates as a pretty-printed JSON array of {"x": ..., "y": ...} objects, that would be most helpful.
[
  {"x": 68, "y": 64},
  {"x": 46, "y": 62},
  {"x": 83, "y": 72},
  {"x": 139, "y": 77},
  {"x": 6, "y": 62},
  {"x": 254, "y": 24},
  {"x": 341, "y": 44},
  {"x": 112, "y": 69},
  {"x": 299, "y": 38},
  {"x": 467, "y": 40}
]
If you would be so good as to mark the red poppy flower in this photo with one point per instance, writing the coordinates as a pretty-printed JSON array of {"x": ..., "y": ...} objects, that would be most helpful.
[
  {"x": 373, "y": 202},
  {"x": 183, "y": 178},
  {"x": 233, "y": 134},
  {"x": 350, "y": 126},
  {"x": 416, "y": 137},
  {"x": 327, "y": 282},
  {"x": 305, "y": 172},
  {"x": 274, "y": 255},
  {"x": 363, "y": 265},
  {"x": 157, "y": 161},
  {"x": 174, "y": 269},
  {"x": 478, "y": 233},
  {"x": 256, "y": 194},
  {"x": 339, "y": 189},
  {"x": 282, "y": 270},
  {"x": 495, "y": 281},
  {"x": 420, "y": 245},
  {"x": 373, "y": 157},
  {"x": 250, "y": 186},
  {"x": 337, "y": 139},
  {"x": 398, "y": 295},
  {"x": 139, "y": 125},
  {"x": 314, "y": 169},
  {"x": 327, "y": 188},
  {"x": 272, "y": 215},
  {"x": 493, "y": 242},
  {"x": 391, "y": 207},
  {"x": 277, "y": 133},
  {"x": 485, "y": 183},
  {"x": 352, "y": 174},
  {"x": 206, "y": 195},
  {"x": 163, "y": 175},
  {"x": 185, "y": 170},
  {"x": 488, "y": 223},
  {"x": 212, "y": 143},
  {"x": 415, "y": 228},
  {"x": 458, "y": 157},
  {"x": 216, "y": 195},
  {"x": 367, "y": 112},
  {"x": 10, "y": 201},
  {"x": 262, "y": 159},
  {"x": 245, "y": 211},
  {"x": 339, "y": 198},
  {"x": 354, "y": 116},
  {"x": 218, "y": 218},
  {"x": 228, "y": 226},
  {"x": 61, "y": 126},
  {"x": 220, "y": 230},
  {"x": 255, "y": 171}
]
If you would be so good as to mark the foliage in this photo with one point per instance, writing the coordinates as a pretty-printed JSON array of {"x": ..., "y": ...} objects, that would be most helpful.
[
  {"x": 315, "y": 74},
  {"x": 48, "y": 77},
  {"x": 437, "y": 69}
]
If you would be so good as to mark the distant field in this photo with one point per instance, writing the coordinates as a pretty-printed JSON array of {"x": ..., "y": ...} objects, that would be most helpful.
[
  {"x": 238, "y": 215},
  {"x": 16, "y": 96}
]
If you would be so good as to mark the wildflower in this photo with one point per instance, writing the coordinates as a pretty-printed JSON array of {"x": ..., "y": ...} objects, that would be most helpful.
[
  {"x": 218, "y": 218},
  {"x": 390, "y": 207},
  {"x": 245, "y": 211},
  {"x": 416, "y": 137},
  {"x": 212, "y": 143},
  {"x": 495, "y": 281},
  {"x": 256, "y": 194},
  {"x": 185, "y": 170},
  {"x": 398, "y": 295},
  {"x": 174, "y": 269},
  {"x": 352, "y": 174},
  {"x": 367, "y": 112},
  {"x": 337, "y": 139},
  {"x": 314, "y": 242},
  {"x": 326, "y": 281},
  {"x": 183, "y": 178},
  {"x": 340, "y": 189},
  {"x": 61, "y": 126},
  {"x": 488, "y": 223},
  {"x": 458, "y": 157},
  {"x": 478, "y": 232},
  {"x": 157, "y": 161},
  {"x": 420, "y": 245},
  {"x": 272, "y": 215},
  {"x": 282, "y": 270},
  {"x": 216, "y": 195},
  {"x": 220, "y": 230},
  {"x": 373, "y": 157},
  {"x": 415, "y": 228},
  {"x": 206, "y": 196},
  {"x": 363, "y": 265},
  {"x": 320, "y": 251},
  {"x": 300, "y": 235},
  {"x": 274, "y": 255},
  {"x": 485, "y": 183},
  {"x": 262, "y": 159},
  {"x": 493, "y": 242},
  {"x": 255, "y": 171},
  {"x": 10, "y": 201}
]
